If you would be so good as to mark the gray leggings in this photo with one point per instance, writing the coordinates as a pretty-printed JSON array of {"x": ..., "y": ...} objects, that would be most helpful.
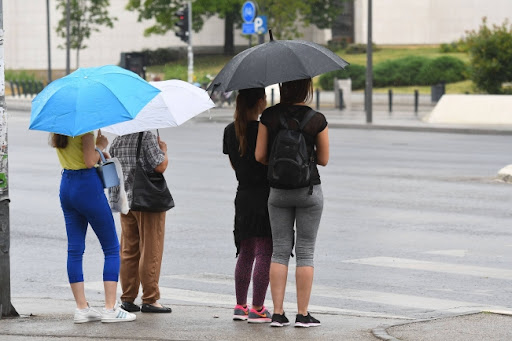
[{"x": 287, "y": 207}]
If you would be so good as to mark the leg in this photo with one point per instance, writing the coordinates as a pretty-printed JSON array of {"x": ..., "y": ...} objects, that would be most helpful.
[
  {"x": 95, "y": 207},
  {"x": 130, "y": 255},
  {"x": 151, "y": 231},
  {"x": 261, "y": 274},
  {"x": 282, "y": 218},
  {"x": 76, "y": 228},
  {"x": 308, "y": 221},
  {"x": 243, "y": 270}
]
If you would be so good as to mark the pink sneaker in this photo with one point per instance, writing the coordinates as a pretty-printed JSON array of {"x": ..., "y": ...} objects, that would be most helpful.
[
  {"x": 240, "y": 313},
  {"x": 262, "y": 316}
]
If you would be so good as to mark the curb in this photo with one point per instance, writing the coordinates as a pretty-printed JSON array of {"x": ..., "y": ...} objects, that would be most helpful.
[
  {"x": 381, "y": 332},
  {"x": 371, "y": 126}
]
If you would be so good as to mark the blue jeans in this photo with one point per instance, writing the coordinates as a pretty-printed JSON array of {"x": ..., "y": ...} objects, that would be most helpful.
[{"x": 83, "y": 202}]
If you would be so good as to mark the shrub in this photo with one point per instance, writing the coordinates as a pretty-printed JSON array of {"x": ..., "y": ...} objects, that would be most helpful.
[
  {"x": 399, "y": 72},
  {"x": 490, "y": 51},
  {"x": 356, "y": 73},
  {"x": 161, "y": 56},
  {"x": 176, "y": 71},
  {"x": 442, "y": 69},
  {"x": 359, "y": 48}
]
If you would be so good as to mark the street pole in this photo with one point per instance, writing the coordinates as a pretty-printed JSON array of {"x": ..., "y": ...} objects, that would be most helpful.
[
  {"x": 68, "y": 15},
  {"x": 6, "y": 307},
  {"x": 189, "y": 48},
  {"x": 49, "y": 45},
  {"x": 369, "y": 66}
]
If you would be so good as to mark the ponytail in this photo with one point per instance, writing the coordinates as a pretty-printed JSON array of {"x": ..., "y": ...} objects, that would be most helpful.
[
  {"x": 58, "y": 140},
  {"x": 246, "y": 100}
]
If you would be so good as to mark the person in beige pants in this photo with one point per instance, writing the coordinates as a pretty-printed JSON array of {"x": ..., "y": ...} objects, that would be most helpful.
[{"x": 142, "y": 233}]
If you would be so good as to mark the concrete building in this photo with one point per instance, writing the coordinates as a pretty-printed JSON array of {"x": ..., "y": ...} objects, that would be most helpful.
[{"x": 394, "y": 22}]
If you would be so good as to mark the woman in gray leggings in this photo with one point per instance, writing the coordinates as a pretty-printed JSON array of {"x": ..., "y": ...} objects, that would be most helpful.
[{"x": 294, "y": 206}]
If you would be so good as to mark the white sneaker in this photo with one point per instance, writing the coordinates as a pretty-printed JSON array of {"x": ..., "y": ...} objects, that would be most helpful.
[
  {"x": 117, "y": 314},
  {"x": 86, "y": 315}
]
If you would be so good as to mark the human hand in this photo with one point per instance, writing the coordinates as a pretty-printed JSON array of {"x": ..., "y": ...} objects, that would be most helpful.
[
  {"x": 101, "y": 141},
  {"x": 162, "y": 145}
]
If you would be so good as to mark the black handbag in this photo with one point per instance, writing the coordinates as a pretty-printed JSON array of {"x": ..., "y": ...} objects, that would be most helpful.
[{"x": 150, "y": 192}]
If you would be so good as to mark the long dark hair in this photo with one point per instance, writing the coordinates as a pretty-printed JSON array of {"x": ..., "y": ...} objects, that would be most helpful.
[
  {"x": 296, "y": 91},
  {"x": 246, "y": 100},
  {"x": 58, "y": 140}
]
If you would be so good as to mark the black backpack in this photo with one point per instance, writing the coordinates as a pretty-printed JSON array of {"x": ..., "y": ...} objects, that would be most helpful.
[{"x": 289, "y": 164}]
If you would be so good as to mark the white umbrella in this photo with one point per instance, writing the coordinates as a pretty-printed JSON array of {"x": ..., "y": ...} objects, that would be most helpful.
[{"x": 177, "y": 102}]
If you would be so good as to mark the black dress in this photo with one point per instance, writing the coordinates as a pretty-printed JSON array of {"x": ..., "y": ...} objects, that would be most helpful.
[{"x": 251, "y": 210}]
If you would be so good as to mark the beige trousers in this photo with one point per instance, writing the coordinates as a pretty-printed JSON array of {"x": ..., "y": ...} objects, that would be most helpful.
[{"x": 142, "y": 246}]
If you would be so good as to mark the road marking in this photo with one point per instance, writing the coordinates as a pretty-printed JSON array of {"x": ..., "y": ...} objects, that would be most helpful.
[
  {"x": 377, "y": 297},
  {"x": 453, "y": 253},
  {"x": 210, "y": 298},
  {"x": 413, "y": 264}
]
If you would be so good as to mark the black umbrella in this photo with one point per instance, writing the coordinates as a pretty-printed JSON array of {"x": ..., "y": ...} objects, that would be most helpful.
[{"x": 274, "y": 62}]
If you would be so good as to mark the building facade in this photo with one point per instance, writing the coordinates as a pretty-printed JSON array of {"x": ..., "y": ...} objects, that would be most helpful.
[{"x": 395, "y": 22}]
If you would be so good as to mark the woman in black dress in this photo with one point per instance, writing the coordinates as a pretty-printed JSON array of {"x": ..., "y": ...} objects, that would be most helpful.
[{"x": 253, "y": 236}]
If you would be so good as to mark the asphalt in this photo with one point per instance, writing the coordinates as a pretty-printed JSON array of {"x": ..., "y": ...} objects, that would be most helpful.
[{"x": 50, "y": 319}]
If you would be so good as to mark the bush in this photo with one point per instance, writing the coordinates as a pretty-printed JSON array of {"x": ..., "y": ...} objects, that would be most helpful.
[
  {"x": 161, "y": 56},
  {"x": 359, "y": 48},
  {"x": 456, "y": 46},
  {"x": 23, "y": 76},
  {"x": 337, "y": 44},
  {"x": 490, "y": 51},
  {"x": 356, "y": 73},
  {"x": 443, "y": 69},
  {"x": 399, "y": 72}
]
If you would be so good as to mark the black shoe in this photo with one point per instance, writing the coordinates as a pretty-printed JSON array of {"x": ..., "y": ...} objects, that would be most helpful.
[
  {"x": 306, "y": 321},
  {"x": 130, "y": 306},
  {"x": 148, "y": 308},
  {"x": 279, "y": 320}
]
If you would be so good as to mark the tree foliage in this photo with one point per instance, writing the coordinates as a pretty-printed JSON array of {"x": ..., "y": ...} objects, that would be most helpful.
[
  {"x": 86, "y": 16},
  {"x": 282, "y": 14},
  {"x": 490, "y": 50}
]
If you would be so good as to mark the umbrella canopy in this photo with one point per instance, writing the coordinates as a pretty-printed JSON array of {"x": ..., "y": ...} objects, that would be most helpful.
[
  {"x": 178, "y": 102},
  {"x": 274, "y": 62},
  {"x": 88, "y": 99}
]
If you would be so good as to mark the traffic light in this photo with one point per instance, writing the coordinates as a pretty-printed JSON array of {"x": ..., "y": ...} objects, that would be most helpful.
[{"x": 182, "y": 24}]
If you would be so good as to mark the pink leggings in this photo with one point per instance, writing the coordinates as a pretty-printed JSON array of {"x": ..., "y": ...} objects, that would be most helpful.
[{"x": 259, "y": 249}]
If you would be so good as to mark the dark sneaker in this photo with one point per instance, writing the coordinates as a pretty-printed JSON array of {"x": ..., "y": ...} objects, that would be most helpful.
[
  {"x": 240, "y": 313},
  {"x": 279, "y": 320},
  {"x": 130, "y": 306},
  {"x": 306, "y": 321},
  {"x": 262, "y": 316}
]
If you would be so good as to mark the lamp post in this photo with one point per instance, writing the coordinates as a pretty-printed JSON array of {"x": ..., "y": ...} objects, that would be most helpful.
[
  {"x": 49, "y": 45},
  {"x": 369, "y": 67}
]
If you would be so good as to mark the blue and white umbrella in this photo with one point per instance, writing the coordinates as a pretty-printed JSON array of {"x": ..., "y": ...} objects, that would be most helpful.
[{"x": 89, "y": 99}]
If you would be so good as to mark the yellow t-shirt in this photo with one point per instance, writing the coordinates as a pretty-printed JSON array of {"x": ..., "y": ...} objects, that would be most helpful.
[{"x": 72, "y": 157}]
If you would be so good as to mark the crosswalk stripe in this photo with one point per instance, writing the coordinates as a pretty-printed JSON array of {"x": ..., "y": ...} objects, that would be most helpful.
[
  {"x": 408, "y": 301},
  {"x": 209, "y": 298},
  {"x": 413, "y": 264},
  {"x": 453, "y": 253}
]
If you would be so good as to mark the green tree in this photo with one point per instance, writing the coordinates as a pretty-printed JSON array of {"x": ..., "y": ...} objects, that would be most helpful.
[
  {"x": 490, "y": 50},
  {"x": 282, "y": 15},
  {"x": 86, "y": 16}
]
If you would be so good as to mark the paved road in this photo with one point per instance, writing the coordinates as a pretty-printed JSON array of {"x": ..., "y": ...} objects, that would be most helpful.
[{"x": 415, "y": 224}]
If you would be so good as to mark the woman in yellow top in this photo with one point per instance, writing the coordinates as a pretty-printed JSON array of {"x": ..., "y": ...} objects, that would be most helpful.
[{"x": 83, "y": 202}]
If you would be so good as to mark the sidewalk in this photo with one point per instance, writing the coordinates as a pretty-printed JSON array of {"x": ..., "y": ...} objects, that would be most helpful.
[{"x": 45, "y": 319}]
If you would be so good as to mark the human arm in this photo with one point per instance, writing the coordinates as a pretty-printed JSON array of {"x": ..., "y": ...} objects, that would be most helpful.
[
  {"x": 322, "y": 147},
  {"x": 91, "y": 156},
  {"x": 260, "y": 153},
  {"x": 162, "y": 166}
]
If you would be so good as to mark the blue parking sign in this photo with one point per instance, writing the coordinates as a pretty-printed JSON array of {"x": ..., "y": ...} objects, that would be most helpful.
[{"x": 260, "y": 24}]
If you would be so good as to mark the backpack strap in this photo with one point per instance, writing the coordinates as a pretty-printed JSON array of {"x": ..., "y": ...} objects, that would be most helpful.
[{"x": 309, "y": 115}]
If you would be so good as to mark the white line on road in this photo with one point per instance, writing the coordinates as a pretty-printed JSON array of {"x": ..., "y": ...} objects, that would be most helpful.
[
  {"x": 413, "y": 264},
  {"x": 209, "y": 298},
  {"x": 453, "y": 253},
  {"x": 377, "y": 297}
]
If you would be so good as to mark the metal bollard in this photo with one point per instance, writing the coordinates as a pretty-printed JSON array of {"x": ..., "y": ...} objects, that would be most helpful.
[
  {"x": 271, "y": 97},
  {"x": 340, "y": 95},
  {"x": 317, "y": 99},
  {"x": 18, "y": 87},
  {"x": 12, "y": 89},
  {"x": 390, "y": 98},
  {"x": 416, "y": 99}
]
